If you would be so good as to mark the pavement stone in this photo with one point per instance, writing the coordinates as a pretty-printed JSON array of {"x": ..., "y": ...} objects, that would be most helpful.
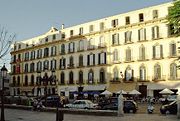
[{"x": 24, "y": 115}]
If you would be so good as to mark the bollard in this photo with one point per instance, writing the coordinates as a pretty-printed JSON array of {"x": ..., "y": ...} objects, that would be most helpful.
[
  {"x": 120, "y": 105},
  {"x": 59, "y": 115},
  {"x": 178, "y": 106}
]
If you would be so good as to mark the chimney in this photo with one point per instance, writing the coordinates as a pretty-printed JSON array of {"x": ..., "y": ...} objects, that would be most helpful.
[{"x": 62, "y": 26}]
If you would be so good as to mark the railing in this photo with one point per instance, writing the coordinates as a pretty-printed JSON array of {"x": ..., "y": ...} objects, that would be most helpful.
[
  {"x": 143, "y": 79},
  {"x": 156, "y": 78},
  {"x": 102, "y": 45}
]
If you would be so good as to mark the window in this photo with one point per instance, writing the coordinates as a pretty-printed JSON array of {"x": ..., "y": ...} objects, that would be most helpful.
[
  {"x": 71, "y": 61},
  {"x": 39, "y": 53},
  {"x": 157, "y": 72},
  {"x": 101, "y": 26},
  {"x": 32, "y": 55},
  {"x": 128, "y": 54},
  {"x": 155, "y": 32},
  {"x": 91, "y": 44},
  {"x": 62, "y": 63},
  {"x": 173, "y": 71},
  {"x": 63, "y": 49},
  {"x": 46, "y": 39},
  {"x": 32, "y": 79},
  {"x": 114, "y": 23},
  {"x": 62, "y": 78},
  {"x": 71, "y": 78},
  {"x": 19, "y": 46},
  {"x": 102, "y": 76},
  {"x": 32, "y": 65},
  {"x": 155, "y": 14},
  {"x": 26, "y": 81},
  {"x": 142, "y": 52},
  {"x": 71, "y": 47},
  {"x": 46, "y": 64},
  {"x": 115, "y": 39},
  {"x": 53, "y": 51},
  {"x": 101, "y": 42},
  {"x": 80, "y": 77},
  {"x": 46, "y": 52},
  {"x": 26, "y": 68},
  {"x": 142, "y": 73},
  {"x": 39, "y": 66},
  {"x": 80, "y": 31},
  {"x": 141, "y": 17},
  {"x": 91, "y": 28},
  {"x": 91, "y": 59},
  {"x": 115, "y": 55},
  {"x": 71, "y": 32},
  {"x": 129, "y": 74},
  {"x": 157, "y": 51},
  {"x": 102, "y": 58},
  {"x": 127, "y": 19},
  {"x": 63, "y": 36},
  {"x": 53, "y": 64},
  {"x": 91, "y": 77},
  {"x": 128, "y": 36},
  {"x": 172, "y": 48},
  {"x": 54, "y": 36},
  {"x": 141, "y": 34},
  {"x": 81, "y": 60},
  {"x": 19, "y": 57},
  {"x": 81, "y": 45}
]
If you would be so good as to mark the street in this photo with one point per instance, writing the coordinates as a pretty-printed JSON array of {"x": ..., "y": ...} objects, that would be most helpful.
[{"x": 24, "y": 115}]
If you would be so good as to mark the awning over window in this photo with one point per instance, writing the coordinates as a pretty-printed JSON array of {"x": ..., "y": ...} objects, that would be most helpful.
[
  {"x": 163, "y": 85},
  {"x": 94, "y": 87},
  {"x": 121, "y": 86}
]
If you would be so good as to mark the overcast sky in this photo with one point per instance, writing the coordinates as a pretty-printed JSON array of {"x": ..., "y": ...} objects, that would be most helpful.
[{"x": 30, "y": 18}]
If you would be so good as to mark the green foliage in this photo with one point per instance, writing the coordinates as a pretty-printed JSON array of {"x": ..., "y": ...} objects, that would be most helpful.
[{"x": 174, "y": 16}]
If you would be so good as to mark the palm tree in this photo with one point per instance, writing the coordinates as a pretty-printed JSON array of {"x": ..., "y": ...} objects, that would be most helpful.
[{"x": 174, "y": 17}]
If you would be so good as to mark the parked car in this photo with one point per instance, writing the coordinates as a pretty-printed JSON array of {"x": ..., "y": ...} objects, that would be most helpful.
[
  {"x": 170, "y": 108},
  {"x": 51, "y": 101},
  {"x": 129, "y": 106},
  {"x": 82, "y": 104}
]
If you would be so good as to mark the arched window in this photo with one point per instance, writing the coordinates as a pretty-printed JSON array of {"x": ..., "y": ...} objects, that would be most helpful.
[
  {"x": 102, "y": 76},
  {"x": 26, "y": 81},
  {"x": 101, "y": 42},
  {"x": 63, "y": 49},
  {"x": 62, "y": 78},
  {"x": 128, "y": 54},
  {"x": 39, "y": 66},
  {"x": 116, "y": 74},
  {"x": 32, "y": 80},
  {"x": 81, "y": 60},
  {"x": 71, "y": 78},
  {"x": 53, "y": 50},
  {"x": 32, "y": 67},
  {"x": 26, "y": 67},
  {"x": 173, "y": 71},
  {"x": 91, "y": 77},
  {"x": 142, "y": 73},
  {"x": 129, "y": 74},
  {"x": 115, "y": 55},
  {"x": 46, "y": 52},
  {"x": 71, "y": 61},
  {"x": 142, "y": 52},
  {"x": 80, "y": 77},
  {"x": 81, "y": 45},
  {"x": 157, "y": 72},
  {"x": 91, "y": 44},
  {"x": 46, "y": 64}
]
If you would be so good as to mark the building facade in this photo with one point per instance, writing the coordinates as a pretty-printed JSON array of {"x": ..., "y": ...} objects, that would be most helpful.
[{"x": 134, "y": 50}]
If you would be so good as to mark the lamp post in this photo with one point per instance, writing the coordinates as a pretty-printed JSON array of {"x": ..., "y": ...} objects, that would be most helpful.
[{"x": 4, "y": 74}]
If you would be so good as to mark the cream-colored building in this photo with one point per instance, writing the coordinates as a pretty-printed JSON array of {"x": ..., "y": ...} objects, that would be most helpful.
[{"x": 134, "y": 50}]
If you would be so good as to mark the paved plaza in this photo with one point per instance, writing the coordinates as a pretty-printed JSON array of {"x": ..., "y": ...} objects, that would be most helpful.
[{"x": 24, "y": 115}]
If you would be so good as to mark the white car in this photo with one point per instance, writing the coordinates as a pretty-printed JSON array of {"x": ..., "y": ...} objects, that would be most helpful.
[{"x": 82, "y": 104}]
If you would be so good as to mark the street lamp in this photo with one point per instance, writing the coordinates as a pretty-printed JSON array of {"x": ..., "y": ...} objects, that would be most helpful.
[{"x": 4, "y": 74}]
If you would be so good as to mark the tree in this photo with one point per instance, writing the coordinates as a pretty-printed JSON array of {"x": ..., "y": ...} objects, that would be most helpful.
[
  {"x": 174, "y": 16},
  {"x": 6, "y": 41}
]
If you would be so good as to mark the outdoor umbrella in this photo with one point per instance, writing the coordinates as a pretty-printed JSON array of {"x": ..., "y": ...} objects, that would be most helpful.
[
  {"x": 121, "y": 92},
  {"x": 166, "y": 91},
  {"x": 106, "y": 92},
  {"x": 134, "y": 92}
]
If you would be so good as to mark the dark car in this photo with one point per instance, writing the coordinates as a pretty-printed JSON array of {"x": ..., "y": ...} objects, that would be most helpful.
[
  {"x": 129, "y": 106},
  {"x": 51, "y": 101},
  {"x": 170, "y": 108}
]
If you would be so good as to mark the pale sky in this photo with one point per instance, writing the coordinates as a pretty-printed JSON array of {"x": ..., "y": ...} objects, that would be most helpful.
[{"x": 30, "y": 18}]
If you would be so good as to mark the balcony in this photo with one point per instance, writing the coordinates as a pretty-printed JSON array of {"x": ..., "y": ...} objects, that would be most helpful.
[
  {"x": 115, "y": 80},
  {"x": 142, "y": 58},
  {"x": 80, "y": 65},
  {"x": 172, "y": 55},
  {"x": 62, "y": 53},
  {"x": 157, "y": 57},
  {"x": 102, "y": 45},
  {"x": 160, "y": 78},
  {"x": 91, "y": 47},
  {"x": 141, "y": 79},
  {"x": 129, "y": 60},
  {"x": 71, "y": 66},
  {"x": 71, "y": 51},
  {"x": 62, "y": 67},
  {"x": 80, "y": 49}
]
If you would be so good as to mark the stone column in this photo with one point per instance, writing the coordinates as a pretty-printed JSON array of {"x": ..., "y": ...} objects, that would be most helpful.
[{"x": 120, "y": 105}]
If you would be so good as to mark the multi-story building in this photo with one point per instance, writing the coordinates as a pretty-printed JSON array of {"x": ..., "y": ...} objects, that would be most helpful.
[{"x": 134, "y": 50}]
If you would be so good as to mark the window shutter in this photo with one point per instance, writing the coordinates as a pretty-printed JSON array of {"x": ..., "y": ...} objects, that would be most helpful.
[
  {"x": 60, "y": 63},
  {"x": 157, "y": 31},
  {"x": 94, "y": 59},
  {"x": 125, "y": 35},
  {"x": 117, "y": 41},
  {"x": 161, "y": 49},
  {"x": 64, "y": 63},
  {"x": 154, "y": 51},
  {"x": 99, "y": 58},
  {"x": 88, "y": 59},
  {"x": 153, "y": 34},
  {"x": 144, "y": 34},
  {"x": 132, "y": 76},
  {"x": 54, "y": 64},
  {"x": 139, "y": 34}
]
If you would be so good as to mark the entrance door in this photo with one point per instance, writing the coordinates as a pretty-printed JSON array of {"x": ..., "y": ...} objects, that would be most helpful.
[{"x": 143, "y": 90}]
